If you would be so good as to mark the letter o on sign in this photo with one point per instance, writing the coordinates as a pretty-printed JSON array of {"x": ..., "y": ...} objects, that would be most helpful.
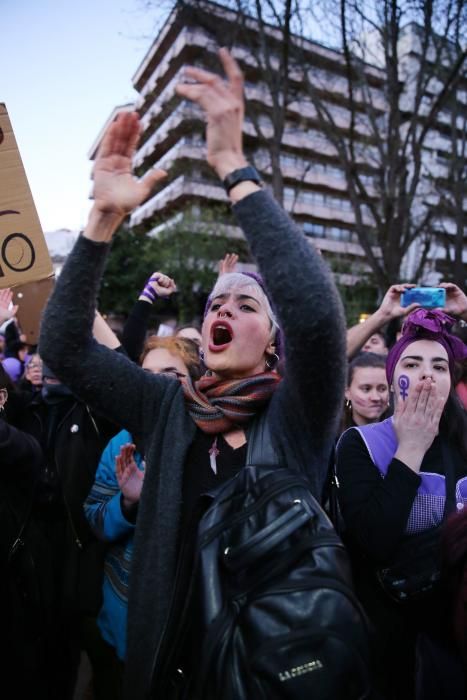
[{"x": 18, "y": 252}]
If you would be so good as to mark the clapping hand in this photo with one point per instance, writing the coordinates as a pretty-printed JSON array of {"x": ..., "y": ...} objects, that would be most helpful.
[
  {"x": 223, "y": 105},
  {"x": 129, "y": 477},
  {"x": 116, "y": 191}
]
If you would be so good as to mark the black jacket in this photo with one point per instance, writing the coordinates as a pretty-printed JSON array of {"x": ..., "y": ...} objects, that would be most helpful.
[{"x": 72, "y": 439}]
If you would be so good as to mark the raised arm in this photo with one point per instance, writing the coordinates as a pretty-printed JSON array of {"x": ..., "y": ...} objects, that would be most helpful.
[
  {"x": 106, "y": 380},
  {"x": 304, "y": 295},
  {"x": 103, "y": 333},
  {"x": 389, "y": 308},
  {"x": 158, "y": 286}
]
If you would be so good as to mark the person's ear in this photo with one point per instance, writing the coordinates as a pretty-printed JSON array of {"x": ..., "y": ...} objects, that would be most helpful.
[
  {"x": 347, "y": 394},
  {"x": 270, "y": 349}
]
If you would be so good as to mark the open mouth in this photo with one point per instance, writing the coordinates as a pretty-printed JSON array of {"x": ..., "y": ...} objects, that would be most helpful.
[{"x": 221, "y": 336}]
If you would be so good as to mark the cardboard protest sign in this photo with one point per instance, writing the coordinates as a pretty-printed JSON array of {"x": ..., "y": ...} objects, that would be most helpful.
[
  {"x": 24, "y": 256},
  {"x": 31, "y": 299}
]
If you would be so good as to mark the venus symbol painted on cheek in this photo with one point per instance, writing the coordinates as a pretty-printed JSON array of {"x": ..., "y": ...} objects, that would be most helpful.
[{"x": 404, "y": 384}]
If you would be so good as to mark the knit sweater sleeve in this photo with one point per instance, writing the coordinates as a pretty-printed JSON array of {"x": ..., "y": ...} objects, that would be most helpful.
[
  {"x": 375, "y": 510},
  {"x": 311, "y": 317},
  {"x": 107, "y": 380}
]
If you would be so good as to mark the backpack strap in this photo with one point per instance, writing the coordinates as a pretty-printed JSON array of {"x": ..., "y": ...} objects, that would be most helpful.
[{"x": 260, "y": 450}]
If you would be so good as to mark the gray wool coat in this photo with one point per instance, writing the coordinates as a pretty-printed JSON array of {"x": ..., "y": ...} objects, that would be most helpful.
[{"x": 303, "y": 413}]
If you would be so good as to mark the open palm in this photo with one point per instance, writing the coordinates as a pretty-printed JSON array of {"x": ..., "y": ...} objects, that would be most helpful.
[
  {"x": 129, "y": 477},
  {"x": 116, "y": 190},
  {"x": 6, "y": 311}
]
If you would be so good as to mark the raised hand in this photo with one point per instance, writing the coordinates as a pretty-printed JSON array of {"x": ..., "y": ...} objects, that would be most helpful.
[
  {"x": 223, "y": 105},
  {"x": 6, "y": 297},
  {"x": 116, "y": 191},
  {"x": 129, "y": 477},
  {"x": 456, "y": 300},
  {"x": 158, "y": 285},
  {"x": 228, "y": 263},
  {"x": 391, "y": 304}
]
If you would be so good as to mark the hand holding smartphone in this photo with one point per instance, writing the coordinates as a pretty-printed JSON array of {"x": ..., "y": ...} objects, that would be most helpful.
[{"x": 428, "y": 297}]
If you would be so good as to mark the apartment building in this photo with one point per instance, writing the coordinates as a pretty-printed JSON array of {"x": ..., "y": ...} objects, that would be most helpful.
[
  {"x": 315, "y": 190},
  {"x": 314, "y": 184}
]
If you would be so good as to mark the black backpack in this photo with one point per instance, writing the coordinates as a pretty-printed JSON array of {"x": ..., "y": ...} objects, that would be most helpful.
[{"x": 279, "y": 614}]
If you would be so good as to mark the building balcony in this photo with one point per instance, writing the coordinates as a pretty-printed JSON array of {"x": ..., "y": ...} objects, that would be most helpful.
[
  {"x": 182, "y": 186},
  {"x": 184, "y": 112}
]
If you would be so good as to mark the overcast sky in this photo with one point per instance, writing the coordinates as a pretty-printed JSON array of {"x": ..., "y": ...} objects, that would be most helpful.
[{"x": 65, "y": 64}]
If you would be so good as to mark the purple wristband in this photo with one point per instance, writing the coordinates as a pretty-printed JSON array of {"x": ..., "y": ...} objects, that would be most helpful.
[{"x": 151, "y": 296}]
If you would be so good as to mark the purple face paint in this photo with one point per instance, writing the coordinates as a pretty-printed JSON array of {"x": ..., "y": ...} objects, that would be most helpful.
[{"x": 404, "y": 384}]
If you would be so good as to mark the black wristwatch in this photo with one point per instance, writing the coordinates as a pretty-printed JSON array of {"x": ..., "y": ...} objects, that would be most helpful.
[{"x": 246, "y": 174}]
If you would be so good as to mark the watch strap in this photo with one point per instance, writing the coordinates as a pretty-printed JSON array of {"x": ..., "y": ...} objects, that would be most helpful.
[{"x": 246, "y": 174}]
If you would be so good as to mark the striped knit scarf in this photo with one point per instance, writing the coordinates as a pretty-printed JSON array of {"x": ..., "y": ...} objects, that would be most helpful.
[{"x": 219, "y": 405}]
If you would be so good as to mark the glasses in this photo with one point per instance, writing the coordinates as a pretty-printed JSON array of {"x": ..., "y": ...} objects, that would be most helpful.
[{"x": 34, "y": 365}]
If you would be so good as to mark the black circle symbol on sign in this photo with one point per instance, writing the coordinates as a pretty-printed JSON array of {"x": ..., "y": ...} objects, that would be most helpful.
[{"x": 25, "y": 253}]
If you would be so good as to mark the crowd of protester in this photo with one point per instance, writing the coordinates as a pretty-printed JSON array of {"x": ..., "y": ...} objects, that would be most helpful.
[{"x": 107, "y": 443}]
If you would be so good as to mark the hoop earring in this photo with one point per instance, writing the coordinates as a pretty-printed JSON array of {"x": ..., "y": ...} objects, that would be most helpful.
[
  {"x": 271, "y": 362},
  {"x": 348, "y": 404}
]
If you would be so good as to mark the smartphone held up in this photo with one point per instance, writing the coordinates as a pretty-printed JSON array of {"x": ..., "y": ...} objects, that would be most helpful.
[{"x": 428, "y": 297}]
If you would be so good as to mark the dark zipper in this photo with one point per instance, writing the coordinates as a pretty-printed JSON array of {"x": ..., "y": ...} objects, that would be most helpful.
[{"x": 267, "y": 495}]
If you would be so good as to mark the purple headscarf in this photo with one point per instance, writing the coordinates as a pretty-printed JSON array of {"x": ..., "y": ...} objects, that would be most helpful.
[
  {"x": 256, "y": 277},
  {"x": 427, "y": 324}
]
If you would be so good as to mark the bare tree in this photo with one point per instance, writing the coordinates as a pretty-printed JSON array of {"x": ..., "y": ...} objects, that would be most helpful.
[
  {"x": 400, "y": 63},
  {"x": 390, "y": 118},
  {"x": 449, "y": 177}
]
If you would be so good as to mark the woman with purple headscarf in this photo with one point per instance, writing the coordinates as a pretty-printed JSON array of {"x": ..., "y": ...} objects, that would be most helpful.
[{"x": 398, "y": 479}]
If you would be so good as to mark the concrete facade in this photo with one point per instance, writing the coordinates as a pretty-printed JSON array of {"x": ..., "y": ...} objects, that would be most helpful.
[{"x": 315, "y": 188}]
